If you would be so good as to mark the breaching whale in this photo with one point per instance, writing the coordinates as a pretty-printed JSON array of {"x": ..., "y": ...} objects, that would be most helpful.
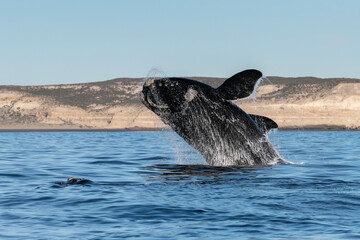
[{"x": 207, "y": 119}]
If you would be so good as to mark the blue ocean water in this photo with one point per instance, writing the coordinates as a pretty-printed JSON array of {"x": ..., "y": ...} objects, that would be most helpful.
[{"x": 151, "y": 185}]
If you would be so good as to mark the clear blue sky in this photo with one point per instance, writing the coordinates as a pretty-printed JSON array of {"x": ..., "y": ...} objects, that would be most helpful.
[{"x": 67, "y": 41}]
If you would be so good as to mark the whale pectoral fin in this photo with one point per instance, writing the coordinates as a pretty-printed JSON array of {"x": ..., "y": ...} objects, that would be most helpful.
[
  {"x": 240, "y": 85},
  {"x": 264, "y": 123}
]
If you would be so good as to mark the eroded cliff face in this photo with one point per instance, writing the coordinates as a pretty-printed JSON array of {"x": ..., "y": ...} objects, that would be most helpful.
[
  {"x": 113, "y": 105},
  {"x": 300, "y": 103},
  {"x": 314, "y": 108}
]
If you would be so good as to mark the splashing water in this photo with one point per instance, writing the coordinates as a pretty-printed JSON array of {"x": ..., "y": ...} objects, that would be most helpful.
[
  {"x": 253, "y": 94},
  {"x": 184, "y": 154},
  {"x": 154, "y": 73}
]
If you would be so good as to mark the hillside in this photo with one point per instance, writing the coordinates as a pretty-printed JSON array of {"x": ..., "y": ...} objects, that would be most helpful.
[{"x": 294, "y": 103}]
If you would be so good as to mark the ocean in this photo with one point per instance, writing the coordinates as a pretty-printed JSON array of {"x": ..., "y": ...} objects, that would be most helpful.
[{"x": 151, "y": 185}]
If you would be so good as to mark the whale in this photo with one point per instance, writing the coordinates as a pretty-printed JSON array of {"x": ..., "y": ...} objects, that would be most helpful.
[{"x": 208, "y": 120}]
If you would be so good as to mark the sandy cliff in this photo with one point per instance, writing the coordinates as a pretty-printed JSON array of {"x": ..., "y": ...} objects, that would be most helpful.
[
  {"x": 294, "y": 103},
  {"x": 334, "y": 108}
]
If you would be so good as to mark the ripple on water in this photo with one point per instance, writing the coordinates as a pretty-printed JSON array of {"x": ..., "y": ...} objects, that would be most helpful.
[{"x": 139, "y": 189}]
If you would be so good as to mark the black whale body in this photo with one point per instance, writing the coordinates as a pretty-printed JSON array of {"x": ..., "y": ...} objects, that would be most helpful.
[{"x": 207, "y": 120}]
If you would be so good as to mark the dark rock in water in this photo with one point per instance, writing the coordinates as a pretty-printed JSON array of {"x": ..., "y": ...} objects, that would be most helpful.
[{"x": 74, "y": 181}]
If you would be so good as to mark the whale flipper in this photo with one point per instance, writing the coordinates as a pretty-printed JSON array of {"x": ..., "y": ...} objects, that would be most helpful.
[
  {"x": 264, "y": 123},
  {"x": 240, "y": 85}
]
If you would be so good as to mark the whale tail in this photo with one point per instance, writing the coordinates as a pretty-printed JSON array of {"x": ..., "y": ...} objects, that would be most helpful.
[{"x": 240, "y": 85}]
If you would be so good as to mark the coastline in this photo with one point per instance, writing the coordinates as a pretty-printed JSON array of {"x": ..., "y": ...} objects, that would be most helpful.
[
  {"x": 303, "y": 129},
  {"x": 295, "y": 104}
]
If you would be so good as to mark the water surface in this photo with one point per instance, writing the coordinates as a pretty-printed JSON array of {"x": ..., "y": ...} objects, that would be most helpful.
[{"x": 151, "y": 185}]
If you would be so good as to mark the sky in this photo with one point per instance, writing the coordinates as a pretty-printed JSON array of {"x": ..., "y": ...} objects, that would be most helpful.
[{"x": 66, "y": 41}]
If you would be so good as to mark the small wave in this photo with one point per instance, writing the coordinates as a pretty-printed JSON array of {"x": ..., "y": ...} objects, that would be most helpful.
[
  {"x": 15, "y": 175},
  {"x": 292, "y": 163},
  {"x": 103, "y": 157},
  {"x": 153, "y": 158},
  {"x": 113, "y": 162},
  {"x": 282, "y": 161},
  {"x": 173, "y": 172}
]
